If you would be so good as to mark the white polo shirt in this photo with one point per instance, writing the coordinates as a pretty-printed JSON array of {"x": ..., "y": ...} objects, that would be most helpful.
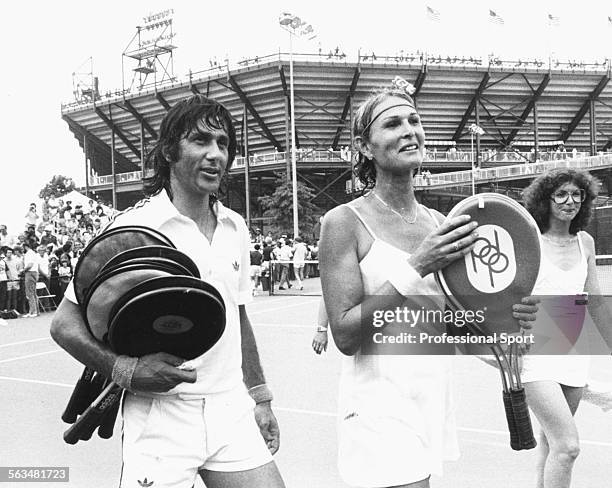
[{"x": 224, "y": 263}]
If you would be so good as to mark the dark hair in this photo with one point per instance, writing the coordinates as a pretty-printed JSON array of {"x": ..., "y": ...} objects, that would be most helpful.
[
  {"x": 257, "y": 247},
  {"x": 537, "y": 196},
  {"x": 364, "y": 167},
  {"x": 182, "y": 119}
]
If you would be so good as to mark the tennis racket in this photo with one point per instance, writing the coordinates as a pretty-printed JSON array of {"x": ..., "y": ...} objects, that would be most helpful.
[
  {"x": 80, "y": 397},
  {"x": 513, "y": 395},
  {"x": 86, "y": 424}
]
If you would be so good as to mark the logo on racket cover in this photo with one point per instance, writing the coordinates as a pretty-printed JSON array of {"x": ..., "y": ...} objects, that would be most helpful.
[
  {"x": 491, "y": 266},
  {"x": 172, "y": 324}
]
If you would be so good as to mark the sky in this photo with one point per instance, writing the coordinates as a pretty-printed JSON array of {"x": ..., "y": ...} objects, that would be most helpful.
[{"x": 45, "y": 42}]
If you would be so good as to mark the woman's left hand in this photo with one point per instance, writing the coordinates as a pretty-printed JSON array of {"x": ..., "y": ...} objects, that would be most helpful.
[{"x": 525, "y": 312}]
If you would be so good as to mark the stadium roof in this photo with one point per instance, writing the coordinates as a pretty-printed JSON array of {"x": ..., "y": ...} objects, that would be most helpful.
[{"x": 507, "y": 96}]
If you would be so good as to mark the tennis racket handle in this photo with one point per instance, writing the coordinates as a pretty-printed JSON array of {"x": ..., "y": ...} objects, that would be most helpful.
[
  {"x": 515, "y": 443},
  {"x": 80, "y": 397},
  {"x": 92, "y": 417},
  {"x": 105, "y": 431},
  {"x": 98, "y": 383},
  {"x": 522, "y": 419}
]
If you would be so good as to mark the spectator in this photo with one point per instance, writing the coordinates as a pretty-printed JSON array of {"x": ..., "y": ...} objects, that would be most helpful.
[
  {"x": 314, "y": 256},
  {"x": 3, "y": 283},
  {"x": 276, "y": 257},
  {"x": 285, "y": 255},
  {"x": 67, "y": 211},
  {"x": 64, "y": 272},
  {"x": 255, "y": 272},
  {"x": 30, "y": 236},
  {"x": 48, "y": 237},
  {"x": 5, "y": 238},
  {"x": 43, "y": 266},
  {"x": 54, "y": 285},
  {"x": 30, "y": 262},
  {"x": 15, "y": 267},
  {"x": 300, "y": 253},
  {"x": 31, "y": 216}
]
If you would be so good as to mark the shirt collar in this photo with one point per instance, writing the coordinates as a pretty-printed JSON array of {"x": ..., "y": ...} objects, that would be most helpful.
[{"x": 165, "y": 209}]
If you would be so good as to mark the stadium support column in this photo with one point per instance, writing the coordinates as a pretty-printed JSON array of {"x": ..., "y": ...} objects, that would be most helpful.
[
  {"x": 351, "y": 135},
  {"x": 536, "y": 133},
  {"x": 113, "y": 162},
  {"x": 114, "y": 187},
  {"x": 142, "y": 149},
  {"x": 593, "y": 127},
  {"x": 477, "y": 114},
  {"x": 85, "y": 149},
  {"x": 247, "y": 176}
]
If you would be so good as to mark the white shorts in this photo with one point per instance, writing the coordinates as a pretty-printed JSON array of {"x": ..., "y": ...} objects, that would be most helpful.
[
  {"x": 167, "y": 440},
  {"x": 255, "y": 270}
]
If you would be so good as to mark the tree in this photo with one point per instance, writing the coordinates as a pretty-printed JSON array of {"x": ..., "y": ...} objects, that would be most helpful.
[
  {"x": 279, "y": 206},
  {"x": 57, "y": 187}
]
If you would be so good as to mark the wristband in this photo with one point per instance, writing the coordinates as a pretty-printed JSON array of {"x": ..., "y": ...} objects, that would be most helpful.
[
  {"x": 404, "y": 278},
  {"x": 321, "y": 328},
  {"x": 123, "y": 370},
  {"x": 261, "y": 393}
]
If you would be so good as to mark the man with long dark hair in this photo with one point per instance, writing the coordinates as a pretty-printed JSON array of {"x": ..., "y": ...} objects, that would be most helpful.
[{"x": 185, "y": 422}]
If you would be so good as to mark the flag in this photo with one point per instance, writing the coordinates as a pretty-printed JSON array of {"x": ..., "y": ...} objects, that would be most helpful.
[
  {"x": 609, "y": 19},
  {"x": 433, "y": 14},
  {"x": 496, "y": 19},
  {"x": 553, "y": 21}
]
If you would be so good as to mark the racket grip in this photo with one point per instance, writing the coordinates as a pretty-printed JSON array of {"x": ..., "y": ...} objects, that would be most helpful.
[
  {"x": 91, "y": 418},
  {"x": 105, "y": 431},
  {"x": 97, "y": 385},
  {"x": 515, "y": 443},
  {"x": 80, "y": 397},
  {"x": 522, "y": 419}
]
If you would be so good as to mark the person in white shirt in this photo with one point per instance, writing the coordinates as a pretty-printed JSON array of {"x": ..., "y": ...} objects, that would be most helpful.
[
  {"x": 43, "y": 265},
  {"x": 30, "y": 261},
  {"x": 300, "y": 253},
  {"x": 206, "y": 422},
  {"x": 284, "y": 256}
]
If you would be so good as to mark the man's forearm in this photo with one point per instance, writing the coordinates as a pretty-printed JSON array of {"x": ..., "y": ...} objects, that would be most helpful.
[{"x": 252, "y": 371}]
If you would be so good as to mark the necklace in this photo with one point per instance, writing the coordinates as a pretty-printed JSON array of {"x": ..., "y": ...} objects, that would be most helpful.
[
  {"x": 411, "y": 220},
  {"x": 560, "y": 242}
]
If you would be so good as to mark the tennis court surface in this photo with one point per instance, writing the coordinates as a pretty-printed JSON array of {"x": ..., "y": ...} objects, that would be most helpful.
[{"x": 36, "y": 379}]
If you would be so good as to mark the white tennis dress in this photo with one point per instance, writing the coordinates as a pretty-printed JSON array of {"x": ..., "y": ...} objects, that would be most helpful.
[
  {"x": 396, "y": 414},
  {"x": 567, "y": 369}
]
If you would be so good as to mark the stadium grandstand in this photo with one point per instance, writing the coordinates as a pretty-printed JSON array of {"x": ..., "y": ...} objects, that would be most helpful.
[{"x": 534, "y": 115}]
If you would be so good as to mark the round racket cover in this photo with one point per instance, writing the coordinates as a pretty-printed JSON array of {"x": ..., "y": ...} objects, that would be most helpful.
[
  {"x": 155, "y": 251},
  {"x": 503, "y": 266},
  {"x": 179, "y": 315},
  {"x": 113, "y": 284},
  {"x": 107, "y": 245},
  {"x": 173, "y": 267},
  {"x": 183, "y": 321}
]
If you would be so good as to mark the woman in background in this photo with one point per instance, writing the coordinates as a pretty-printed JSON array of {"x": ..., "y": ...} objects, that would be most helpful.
[{"x": 561, "y": 203}]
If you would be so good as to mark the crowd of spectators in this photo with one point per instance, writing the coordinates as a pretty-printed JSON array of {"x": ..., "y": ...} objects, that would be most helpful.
[
  {"x": 277, "y": 261},
  {"x": 45, "y": 252}
]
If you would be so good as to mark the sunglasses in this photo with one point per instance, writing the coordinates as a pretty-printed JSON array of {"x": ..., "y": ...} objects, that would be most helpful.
[{"x": 561, "y": 197}]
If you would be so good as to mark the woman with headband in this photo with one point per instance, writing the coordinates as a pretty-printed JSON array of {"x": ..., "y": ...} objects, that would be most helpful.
[{"x": 396, "y": 421}]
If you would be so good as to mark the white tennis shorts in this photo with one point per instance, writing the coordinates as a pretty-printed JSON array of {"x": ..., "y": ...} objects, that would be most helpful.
[{"x": 167, "y": 440}]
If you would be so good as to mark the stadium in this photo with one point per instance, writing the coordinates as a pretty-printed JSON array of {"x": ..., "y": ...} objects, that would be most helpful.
[{"x": 534, "y": 115}]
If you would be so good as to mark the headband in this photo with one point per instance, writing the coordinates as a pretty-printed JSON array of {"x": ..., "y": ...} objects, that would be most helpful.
[
  {"x": 401, "y": 84},
  {"x": 384, "y": 110}
]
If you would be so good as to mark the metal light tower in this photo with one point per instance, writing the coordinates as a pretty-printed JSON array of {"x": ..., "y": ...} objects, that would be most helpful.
[
  {"x": 151, "y": 49},
  {"x": 294, "y": 26}
]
